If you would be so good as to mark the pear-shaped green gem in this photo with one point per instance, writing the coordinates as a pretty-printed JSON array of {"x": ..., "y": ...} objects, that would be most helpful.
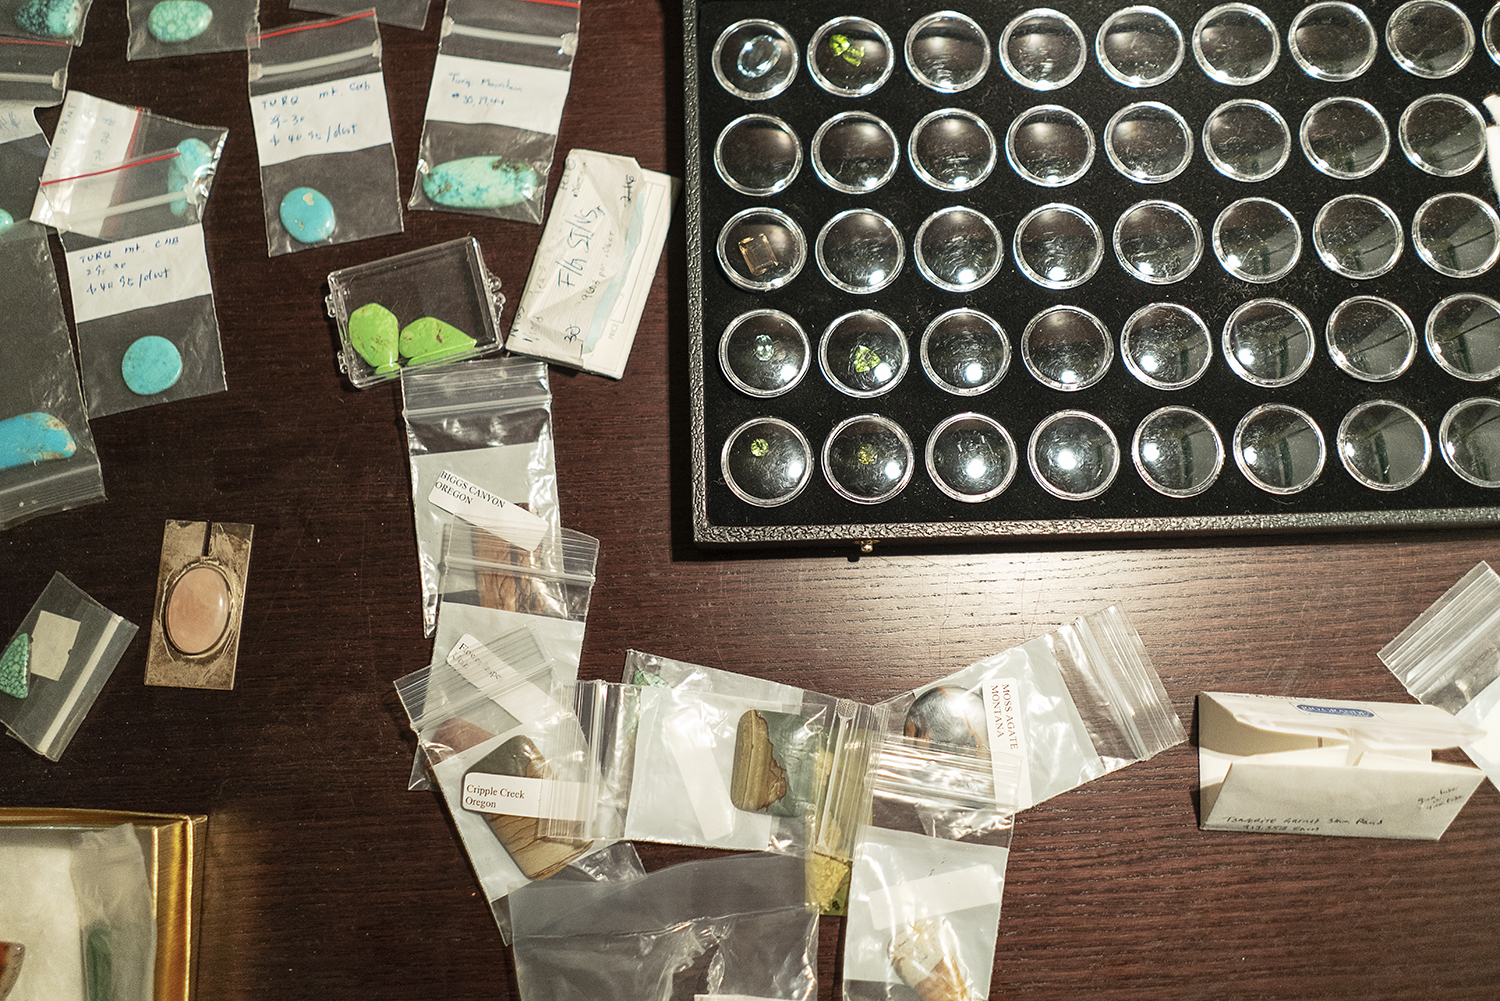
[
  {"x": 14, "y": 666},
  {"x": 430, "y": 338},
  {"x": 375, "y": 333}
]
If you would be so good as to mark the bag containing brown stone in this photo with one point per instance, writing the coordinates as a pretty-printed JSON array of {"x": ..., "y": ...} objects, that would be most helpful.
[{"x": 508, "y": 756}]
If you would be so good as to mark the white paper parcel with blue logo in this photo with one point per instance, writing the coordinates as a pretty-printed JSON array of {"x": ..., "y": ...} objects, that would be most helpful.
[{"x": 1285, "y": 765}]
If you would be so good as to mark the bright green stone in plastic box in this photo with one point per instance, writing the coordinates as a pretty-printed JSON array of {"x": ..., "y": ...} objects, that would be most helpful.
[
  {"x": 179, "y": 20},
  {"x": 480, "y": 182},
  {"x": 430, "y": 338},
  {"x": 375, "y": 333}
]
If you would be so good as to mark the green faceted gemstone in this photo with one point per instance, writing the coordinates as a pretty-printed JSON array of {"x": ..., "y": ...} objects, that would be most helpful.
[
  {"x": 430, "y": 338},
  {"x": 179, "y": 20},
  {"x": 480, "y": 182},
  {"x": 53, "y": 18},
  {"x": 375, "y": 333},
  {"x": 14, "y": 665}
]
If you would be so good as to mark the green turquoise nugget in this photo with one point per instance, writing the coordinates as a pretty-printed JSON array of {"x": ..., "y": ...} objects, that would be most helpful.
[
  {"x": 179, "y": 20},
  {"x": 429, "y": 338},
  {"x": 480, "y": 182},
  {"x": 374, "y": 332}
]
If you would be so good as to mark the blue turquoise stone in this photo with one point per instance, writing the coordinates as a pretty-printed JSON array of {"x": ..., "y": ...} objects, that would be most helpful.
[
  {"x": 151, "y": 365},
  {"x": 308, "y": 215},
  {"x": 31, "y": 438},
  {"x": 53, "y": 18},
  {"x": 179, "y": 20},
  {"x": 15, "y": 663},
  {"x": 480, "y": 182},
  {"x": 6, "y": 219},
  {"x": 193, "y": 156}
]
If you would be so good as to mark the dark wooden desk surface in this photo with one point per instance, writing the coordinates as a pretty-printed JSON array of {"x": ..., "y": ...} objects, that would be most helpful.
[{"x": 327, "y": 879}]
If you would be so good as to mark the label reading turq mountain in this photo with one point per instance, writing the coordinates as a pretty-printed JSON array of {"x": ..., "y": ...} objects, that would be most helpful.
[{"x": 478, "y": 91}]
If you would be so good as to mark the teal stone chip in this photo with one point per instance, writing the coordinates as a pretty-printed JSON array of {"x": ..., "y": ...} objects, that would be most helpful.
[
  {"x": 307, "y": 215},
  {"x": 15, "y": 664},
  {"x": 27, "y": 439},
  {"x": 151, "y": 365},
  {"x": 194, "y": 158},
  {"x": 52, "y": 18},
  {"x": 179, "y": 20},
  {"x": 6, "y": 219},
  {"x": 480, "y": 182}
]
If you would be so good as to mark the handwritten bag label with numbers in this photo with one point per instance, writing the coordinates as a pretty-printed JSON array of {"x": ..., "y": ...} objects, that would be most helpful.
[
  {"x": 341, "y": 116},
  {"x": 476, "y": 91},
  {"x": 90, "y": 134},
  {"x": 134, "y": 274}
]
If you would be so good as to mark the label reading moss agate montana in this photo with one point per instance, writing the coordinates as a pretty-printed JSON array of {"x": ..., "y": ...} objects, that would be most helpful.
[
  {"x": 126, "y": 275},
  {"x": 341, "y": 116}
]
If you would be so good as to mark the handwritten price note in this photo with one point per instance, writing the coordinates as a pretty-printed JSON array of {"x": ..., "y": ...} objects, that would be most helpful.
[
  {"x": 340, "y": 116},
  {"x": 478, "y": 91},
  {"x": 149, "y": 270},
  {"x": 91, "y": 135}
]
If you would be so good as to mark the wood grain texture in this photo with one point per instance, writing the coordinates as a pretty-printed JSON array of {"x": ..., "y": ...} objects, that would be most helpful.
[{"x": 327, "y": 879}]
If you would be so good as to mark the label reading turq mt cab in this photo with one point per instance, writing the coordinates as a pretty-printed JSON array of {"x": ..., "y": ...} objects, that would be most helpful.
[
  {"x": 480, "y": 182},
  {"x": 179, "y": 20}
]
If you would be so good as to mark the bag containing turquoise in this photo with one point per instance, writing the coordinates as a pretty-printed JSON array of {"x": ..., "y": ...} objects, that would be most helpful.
[{"x": 160, "y": 29}]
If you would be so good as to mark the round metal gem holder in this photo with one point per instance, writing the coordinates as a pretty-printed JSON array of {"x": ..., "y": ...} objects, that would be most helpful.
[{"x": 1325, "y": 390}]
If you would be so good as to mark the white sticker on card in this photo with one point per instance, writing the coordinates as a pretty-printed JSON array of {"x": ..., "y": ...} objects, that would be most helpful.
[
  {"x": 944, "y": 893},
  {"x": 484, "y": 92},
  {"x": 150, "y": 270},
  {"x": 484, "y": 669},
  {"x": 478, "y": 506},
  {"x": 516, "y": 796},
  {"x": 51, "y": 642},
  {"x": 339, "y": 116},
  {"x": 1007, "y": 725}
]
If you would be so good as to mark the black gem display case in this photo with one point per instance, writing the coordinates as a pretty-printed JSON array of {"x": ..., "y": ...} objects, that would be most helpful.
[{"x": 1335, "y": 500}]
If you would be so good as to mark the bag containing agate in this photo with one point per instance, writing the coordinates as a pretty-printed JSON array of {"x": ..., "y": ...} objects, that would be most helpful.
[
  {"x": 507, "y": 754},
  {"x": 323, "y": 134},
  {"x": 126, "y": 190},
  {"x": 164, "y": 28},
  {"x": 498, "y": 89}
]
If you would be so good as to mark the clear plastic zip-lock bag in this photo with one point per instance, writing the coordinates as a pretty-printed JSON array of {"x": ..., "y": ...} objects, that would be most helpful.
[
  {"x": 45, "y": 20},
  {"x": 401, "y": 13},
  {"x": 323, "y": 134},
  {"x": 161, "y": 29},
  {"x": 33, "y": 74},
  {"x": 1076, "y": 704},
  {"x": 136, "y": 254},
  {"x": 1449, "y": 657},
  {"x": 496, "y": 101}
]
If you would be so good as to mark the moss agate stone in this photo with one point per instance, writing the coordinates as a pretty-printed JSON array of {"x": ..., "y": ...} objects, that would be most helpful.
[
  {"x": 15, "y": 663},
  {"x": 179, "y": 20},
  {"x": 52, "y": 18},
  {"x": 429, "y": 338},
  {"x": 375, "y": 333},
  {"x": 480, "y": 182},
  {"x": 151, "y": 365},
  {"x": 776, "y": 764},
  {"x": 307, "y": 215},
  {"x": 27, "y": 439}
]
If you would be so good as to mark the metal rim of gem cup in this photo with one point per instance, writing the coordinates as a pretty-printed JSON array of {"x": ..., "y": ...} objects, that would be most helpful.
[
  {"x": 1334, "y": 118},
  {"x": 1359, "y": 54},
  {"x": 1243, "y": 358},
  {"x": 869, "y": 182},
  {"x": 1438, "y": 251},
  {"x": 786, "y": 381},
  {"x": 980, "y": 271},
  {"x": 1437, "y": 325},
  {"x": 1421, "y": 155},
  {"x": 1061, "y": 371},
  {"x": 1276, "y": 260},
  {"x": 758, "y": 448},
  {"x": 1329, "y": 225},
  {"x": 1054, "y": 119},
  {"x": 1141, "y": 355},
  {"x": 847, "y": 225},
  {"x": 1032, "y": 231},
  {"x": 1452, "y": 61},
  {"x": 953, "y": 24},
  {"x": 1067, "y": 458},
  {"x": 747, "y": 122},
  {"x": 1141, "y": 170},
  {"x": 1235, "y": 168},
  {"x": 1382, "y": 472},
  {"x": 1146, "y": 453},
  {"x": 1146, "y": 74},
  {"x": 1162, "y": 215},
  {"x": 935, "y": 331},
  {"x": 833, "y": 37},
  {"x": 785, "y": 271},
  {"x": 929, "y": 173},
  {"x": 1293, "y": 421},
  {"x": 1224, "y": 75},
  {"x": 737, "y": 40},
  {"x": 868, "y": 454},
  {"x": 1047, "y": 78},
  {"x": 863, "y": 357},
  {"x": 1008, "y": 446},
  {"x": 1454, "y": 442}
]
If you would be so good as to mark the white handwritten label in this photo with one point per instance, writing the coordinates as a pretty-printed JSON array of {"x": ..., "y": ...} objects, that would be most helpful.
[
  {"x": 17, "y": 121},
  {"x": 51, "y": 642},
  {"x": 91, "y": 135},
  {"x": 150, "y": 270},
  {"x": 485, "y": 670},
  {"x": 483, "y": 92},
  {"x": 944, "y": 893},
  {"x": 478, "y": 506},
  {"x": 515, "y": 796},
  {"x": 339, "y": 116},
  {"x": 1007, "y": 727}
]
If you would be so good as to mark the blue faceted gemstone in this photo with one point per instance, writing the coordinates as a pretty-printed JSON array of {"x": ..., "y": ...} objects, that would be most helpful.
[
  {"x": 480, "y": 182},
  {"x": 53, "y": 18},
  {"x": 151, "y": 365},
  {"x": 27, "y": 439},
  {"x": 308, "y": 215}
]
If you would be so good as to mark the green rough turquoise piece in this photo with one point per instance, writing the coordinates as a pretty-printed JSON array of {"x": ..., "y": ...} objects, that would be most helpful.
[
  {"x": 308, "y": 215},
  {"x": 151, "y": 365},
  {"x": 27, "y": 439},
  {"x": 179, "y": 20},
  {"x": 15, "y": 665},
  {"x": 480, "y": 182},
  {"x": 53, "y": 18},
  {"x": 429, "y": 338},
  {"x": 375, "y": 333},
  {"x": 194, "y": 158}
]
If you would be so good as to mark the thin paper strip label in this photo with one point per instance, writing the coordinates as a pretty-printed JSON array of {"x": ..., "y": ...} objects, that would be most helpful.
[
  {"x": 91, "y": 135},
  {"x": 481, "y": 91},
  {"x": 478, "y": 506},
  {"x": 1002, "y": 705},
  {"x": 692, "y": 748},
  {"x": 17, "y": 121},
  {"x": 482, "y": 668},
  {"x": 150, "y": 270},
  {"x": 945, "y": 893},
  {"x": 516, "y": 796},
  {"x": 339, "y": 116},
  {"x": 51, "y": 641}
]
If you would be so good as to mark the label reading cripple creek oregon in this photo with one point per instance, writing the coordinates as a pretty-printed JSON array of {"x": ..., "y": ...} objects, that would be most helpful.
[{"x": 516, "y": 796}]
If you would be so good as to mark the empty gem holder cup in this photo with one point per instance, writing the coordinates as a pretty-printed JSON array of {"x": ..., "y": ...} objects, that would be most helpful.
[{"x": 200, "y": 601}]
